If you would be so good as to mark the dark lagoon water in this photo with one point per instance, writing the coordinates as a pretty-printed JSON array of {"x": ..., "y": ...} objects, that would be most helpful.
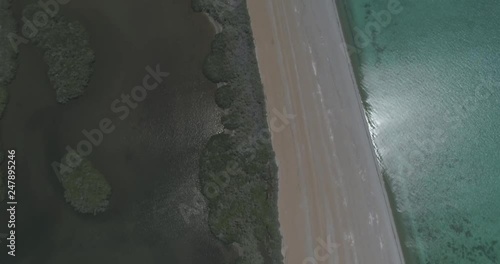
[
  {"x": 151, "y": 159},
  {"x": 431, "y": 73}
]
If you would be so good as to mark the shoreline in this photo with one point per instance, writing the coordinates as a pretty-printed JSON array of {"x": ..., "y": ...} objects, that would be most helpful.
[
  {"x": 237, "y": 172},
  {"x": 216, "y": 25},
  {"x": 296, "y": 173},
  {"x": 347, "y": 23},
  {"x": 356, "y": 74}
]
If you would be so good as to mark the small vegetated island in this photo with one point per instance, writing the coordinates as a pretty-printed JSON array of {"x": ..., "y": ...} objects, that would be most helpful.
[
  {"x": 70, "y": 62},
  {"x": 70, "y": 59},
  {"x": 8, "y": 67},
  {"x": 66, "y": 49},
  {"x": 85, "y": 188},
  {"x": 238, "y": 173}
]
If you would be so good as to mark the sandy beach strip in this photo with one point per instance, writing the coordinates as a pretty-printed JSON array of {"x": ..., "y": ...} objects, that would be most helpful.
[{"x": 333, "y": 206}]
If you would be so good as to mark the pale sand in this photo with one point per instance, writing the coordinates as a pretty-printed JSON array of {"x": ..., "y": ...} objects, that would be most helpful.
[{"x": 329, "y": 180}]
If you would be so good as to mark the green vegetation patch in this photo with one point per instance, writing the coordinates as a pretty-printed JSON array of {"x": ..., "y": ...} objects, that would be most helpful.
[
  {"x": 4, "y": 99},
  {"x": 8, "y": 55},
  {"x": 225, "y": 95},
  {"x": 67, "y": 53},
  {"x": 219, "y": 64},
  {"x": 85, "y": 188},
  {"x": 238, "y": 173}
]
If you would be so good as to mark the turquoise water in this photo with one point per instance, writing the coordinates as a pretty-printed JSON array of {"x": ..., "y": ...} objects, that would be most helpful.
[{"x": 432, "y": 77}]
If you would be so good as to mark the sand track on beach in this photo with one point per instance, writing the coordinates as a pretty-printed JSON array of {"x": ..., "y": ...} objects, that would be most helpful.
[{"x": 332, "y": 202}]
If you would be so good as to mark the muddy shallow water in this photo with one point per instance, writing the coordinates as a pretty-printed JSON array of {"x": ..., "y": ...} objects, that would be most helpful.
[{"x": 151, "y": 157}]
